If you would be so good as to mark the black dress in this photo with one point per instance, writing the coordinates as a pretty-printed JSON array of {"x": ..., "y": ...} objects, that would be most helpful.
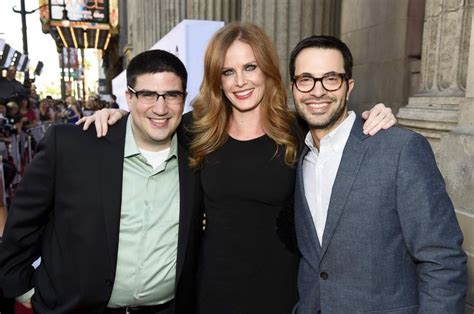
[{"x": 246, "y": 265}]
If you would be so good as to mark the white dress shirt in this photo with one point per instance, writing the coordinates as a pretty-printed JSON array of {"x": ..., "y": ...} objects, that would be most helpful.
[{"x": 320, "y": 169}]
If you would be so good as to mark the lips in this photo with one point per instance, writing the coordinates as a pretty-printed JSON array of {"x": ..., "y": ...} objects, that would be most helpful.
[
  {"x": 159, "y": 122},
  {"x": 318, "y": 104},
  {"x": 241, "y": 95}
]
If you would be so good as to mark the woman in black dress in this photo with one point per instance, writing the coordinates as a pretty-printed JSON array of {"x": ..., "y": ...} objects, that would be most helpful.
[
  {"x": 245, "y": 145},
  {"x": 244, "y": 142}
]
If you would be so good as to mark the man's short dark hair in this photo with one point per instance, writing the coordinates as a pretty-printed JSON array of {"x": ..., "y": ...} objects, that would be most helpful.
[
  {"x": 324, "y": 42},
  {"x": 156, "y": 61}
]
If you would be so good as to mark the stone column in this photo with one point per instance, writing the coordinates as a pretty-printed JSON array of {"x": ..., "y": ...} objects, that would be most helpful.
[
  {"x": 456, "y": 161},
  {"x": 217, "y": 10},
  {"x": 434, "y": 110},
  {"x": 289, "y": 21}
]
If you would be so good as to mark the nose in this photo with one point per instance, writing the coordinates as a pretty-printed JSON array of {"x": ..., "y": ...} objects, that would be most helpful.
[
  {"x": 318, "y": 90},
  {"x": 240, "y": 79},
  {"x": 160, "y": 107}
]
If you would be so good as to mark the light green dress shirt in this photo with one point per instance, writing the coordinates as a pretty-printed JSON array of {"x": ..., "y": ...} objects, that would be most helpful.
[{"x": 148, "y": 239}]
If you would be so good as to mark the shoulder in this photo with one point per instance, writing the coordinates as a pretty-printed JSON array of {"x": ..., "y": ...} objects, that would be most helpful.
[
  {"x": 398, "y": 145},
  {"x": 187, "y": 120},
  {"x": 392, "y": 137},
  {"x": 65, "y": 135},
  {"x": 75, "y": 133},
  {"x": 184, "y": 129}
]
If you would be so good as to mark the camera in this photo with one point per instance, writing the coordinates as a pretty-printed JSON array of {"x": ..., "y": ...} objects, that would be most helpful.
[{"x": 6, "y": 128}]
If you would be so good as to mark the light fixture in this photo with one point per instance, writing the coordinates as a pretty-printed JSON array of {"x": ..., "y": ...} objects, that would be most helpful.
[
  {"x": 84, "y": 34},
  {"x": 74, "y": 40},
  {"x": 62, "y": 36},
  {"x": 97, "y": 32},
  {"x": 107, "y": 41},
  {"x": 65, "y": 19}
]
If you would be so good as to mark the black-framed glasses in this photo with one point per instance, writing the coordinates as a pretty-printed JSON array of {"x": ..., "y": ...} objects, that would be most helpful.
[
  {"x": 331, "y": 81},
  {"x": 149, "y": 97}
]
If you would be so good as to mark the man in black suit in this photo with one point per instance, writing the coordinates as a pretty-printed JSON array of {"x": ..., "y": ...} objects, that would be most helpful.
[{"x": 114, "y": 219}]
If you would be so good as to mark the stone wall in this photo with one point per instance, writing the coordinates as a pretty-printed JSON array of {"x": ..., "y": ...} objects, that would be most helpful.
[
  {"x": 149, "y": 20},
  {"x": 443, "y": 108},
  {"x": 286, "y": 22},
  {"x": 385, "y": 39}
]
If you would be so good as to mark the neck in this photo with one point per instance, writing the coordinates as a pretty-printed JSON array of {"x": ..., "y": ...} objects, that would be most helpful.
[
  {"x": 245, "y": 125},
  {"x": 317, "y": 134}
]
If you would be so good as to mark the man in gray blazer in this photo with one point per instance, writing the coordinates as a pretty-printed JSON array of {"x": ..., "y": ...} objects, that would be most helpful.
[{"x": 376, "y": 229}]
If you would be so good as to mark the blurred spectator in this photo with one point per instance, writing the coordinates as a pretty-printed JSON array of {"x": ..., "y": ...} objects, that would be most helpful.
[
  {"x": 3, "y": 110},
  {"x": 90, "y": 106},
  {"x": 13, "y": 115},
  {"x": 72, "y": 112},
  {"x": 114, "y": 104},
  {"x": 46, "y": 112},
  {"x": 9, "y": 86},
  {"x": 59, "y": 109},
  {"x": 27, "y": 113}
]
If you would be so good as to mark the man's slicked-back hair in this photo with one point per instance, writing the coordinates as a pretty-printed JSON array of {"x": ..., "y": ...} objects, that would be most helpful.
[
  {"x": 323, "y": 42},
  {"x": 156, "y": 61}
]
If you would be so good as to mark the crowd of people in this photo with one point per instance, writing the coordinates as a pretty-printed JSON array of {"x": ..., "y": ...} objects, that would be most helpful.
[{"x": 24, "y": 112}]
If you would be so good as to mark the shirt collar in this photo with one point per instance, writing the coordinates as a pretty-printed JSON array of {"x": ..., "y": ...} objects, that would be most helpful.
[
  {"x": 131, "y": 148},
  {"x": 337, "y": 138}
]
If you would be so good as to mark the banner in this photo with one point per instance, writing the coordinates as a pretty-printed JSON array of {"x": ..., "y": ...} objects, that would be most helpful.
[{"x": 93, "y": 11}]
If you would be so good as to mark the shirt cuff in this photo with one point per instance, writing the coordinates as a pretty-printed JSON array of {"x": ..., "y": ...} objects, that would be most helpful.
[{"x": 26, "y": 296}]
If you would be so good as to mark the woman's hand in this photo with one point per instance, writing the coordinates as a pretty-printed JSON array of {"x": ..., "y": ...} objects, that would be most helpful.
[
  {"x": 102, "y": 119},
  {"x": 379, "y": 117}
]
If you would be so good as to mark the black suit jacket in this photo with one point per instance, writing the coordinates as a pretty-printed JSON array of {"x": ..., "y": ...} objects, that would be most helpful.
[{"x": 67, "y": 210}]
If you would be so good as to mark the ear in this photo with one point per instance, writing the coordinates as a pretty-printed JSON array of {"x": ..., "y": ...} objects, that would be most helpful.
[
  {"x": 350, "y": 86},
  {"x": 291, "y": 86},
  {"x": 128, "y": 97}
]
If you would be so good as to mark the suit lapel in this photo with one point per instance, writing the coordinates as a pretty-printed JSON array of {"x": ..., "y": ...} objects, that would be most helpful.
[
  {"x": 111, "y": 184},
  {"x": 303, "y": 208},
  {"x": 187, "y": 183},
  {"x": 352, "y": 158},
  {"x": 188, "y": 197}
]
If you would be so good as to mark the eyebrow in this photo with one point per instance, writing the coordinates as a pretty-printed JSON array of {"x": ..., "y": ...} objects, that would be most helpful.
[
  {"x": 164, "y": 91},
  {"x": 310, "y": 74},
  {"x": 248, "y": 63}
]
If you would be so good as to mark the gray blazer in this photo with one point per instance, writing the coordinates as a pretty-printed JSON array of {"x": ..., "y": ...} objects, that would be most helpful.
[{"x": 391, "y": 243}]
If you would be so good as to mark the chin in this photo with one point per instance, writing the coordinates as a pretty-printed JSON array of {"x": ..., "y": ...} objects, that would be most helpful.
[{"x": 246, "y": 108}]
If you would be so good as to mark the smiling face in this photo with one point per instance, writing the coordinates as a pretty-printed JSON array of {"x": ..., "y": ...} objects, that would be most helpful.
[
  {"x": 322, "y": 110},
  {"x": 242, "y": 80},
  {"x": 154, "y": 124}
]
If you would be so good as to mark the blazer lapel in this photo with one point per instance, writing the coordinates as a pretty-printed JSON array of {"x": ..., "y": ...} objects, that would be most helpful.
[
  {"x": 187, "y": 185},
  {"x": 352, "y": 157},
  {"x": 302, "y": 206},
  {"x": 111, "y": 184}
]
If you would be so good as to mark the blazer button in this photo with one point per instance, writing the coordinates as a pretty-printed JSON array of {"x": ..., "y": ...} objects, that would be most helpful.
[
  {"x": 109, "y": 283},
  {"x": 323, "y": 275}
]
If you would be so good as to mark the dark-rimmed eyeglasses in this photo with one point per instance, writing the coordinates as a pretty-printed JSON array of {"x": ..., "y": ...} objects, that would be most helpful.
[
  {"x": 149, "y": 97},
  {"x": 331, "y": 81}
]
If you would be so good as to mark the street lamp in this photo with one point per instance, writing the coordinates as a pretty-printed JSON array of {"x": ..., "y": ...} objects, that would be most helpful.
[{"x": 23, "y": 14}]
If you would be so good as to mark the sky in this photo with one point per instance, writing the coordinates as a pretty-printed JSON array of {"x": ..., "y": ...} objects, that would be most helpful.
[{"x": 41, "y": 47}]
